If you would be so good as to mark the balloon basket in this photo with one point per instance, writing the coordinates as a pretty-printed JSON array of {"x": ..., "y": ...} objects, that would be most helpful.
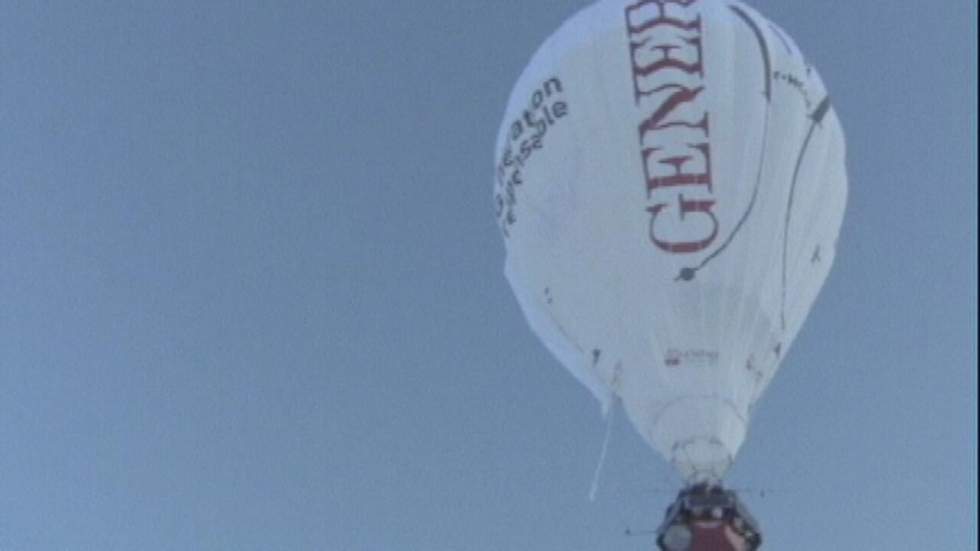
[{"x": 708, "y": 518}]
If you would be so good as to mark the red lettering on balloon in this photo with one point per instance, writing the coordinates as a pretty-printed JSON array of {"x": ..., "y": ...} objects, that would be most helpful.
[
  {"x": 666, "y": 58},
  {"x": 687, "y": 207}
]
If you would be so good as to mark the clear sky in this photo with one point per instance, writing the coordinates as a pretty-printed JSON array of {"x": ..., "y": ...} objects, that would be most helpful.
[{"x": 251, "y": 291}]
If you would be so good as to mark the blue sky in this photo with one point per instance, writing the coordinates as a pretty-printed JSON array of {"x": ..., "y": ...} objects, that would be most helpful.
[{"x": 251, "y": 291}]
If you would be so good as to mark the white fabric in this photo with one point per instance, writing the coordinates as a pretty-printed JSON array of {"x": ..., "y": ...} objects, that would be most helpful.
[{"x": 695, "y": 310}]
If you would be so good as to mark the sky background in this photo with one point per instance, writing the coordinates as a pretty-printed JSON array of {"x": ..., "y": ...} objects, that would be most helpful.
[{"x": 251, "y": 291}]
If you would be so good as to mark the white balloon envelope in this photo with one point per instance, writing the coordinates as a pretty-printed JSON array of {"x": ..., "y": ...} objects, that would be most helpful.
[{"x": 670, "y": 184}]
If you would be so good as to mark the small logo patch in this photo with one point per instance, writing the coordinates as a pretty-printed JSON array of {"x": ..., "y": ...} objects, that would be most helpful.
[{"x": 692, "y": 357}]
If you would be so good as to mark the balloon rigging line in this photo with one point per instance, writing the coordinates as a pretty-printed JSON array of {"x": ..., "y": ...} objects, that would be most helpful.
[
  {"x": 605, "y": 448},
  {"x": 816, "y": 117},
  {"x": 688, "y": 273}
]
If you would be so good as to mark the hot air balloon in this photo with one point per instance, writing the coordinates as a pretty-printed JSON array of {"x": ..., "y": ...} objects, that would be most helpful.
[{"x": 670, "y": 184}]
